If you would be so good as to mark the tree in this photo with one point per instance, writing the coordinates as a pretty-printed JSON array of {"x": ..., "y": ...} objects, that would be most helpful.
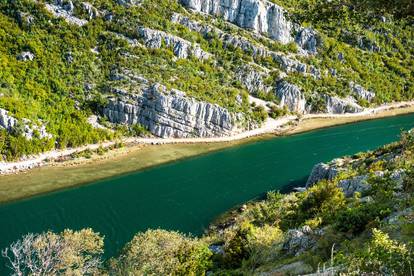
[{"x": 70, "y": 253}]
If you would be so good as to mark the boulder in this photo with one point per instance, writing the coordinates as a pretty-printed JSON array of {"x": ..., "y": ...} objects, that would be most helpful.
[
  {"x": 300, "y": 240},
  {"x": 356, "y": 184}
]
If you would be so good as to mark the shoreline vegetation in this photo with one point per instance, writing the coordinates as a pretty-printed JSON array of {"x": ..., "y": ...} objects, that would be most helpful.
[{"x": 72, "y": 167}]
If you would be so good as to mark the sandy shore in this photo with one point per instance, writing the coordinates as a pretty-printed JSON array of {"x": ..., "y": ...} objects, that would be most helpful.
[
  {"x": 286, "y": 125},
  {"x": 138, "y": 154}
]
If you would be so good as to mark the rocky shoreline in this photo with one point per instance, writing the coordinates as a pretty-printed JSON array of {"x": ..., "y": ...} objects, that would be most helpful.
[{"x": 284, "y": 125}]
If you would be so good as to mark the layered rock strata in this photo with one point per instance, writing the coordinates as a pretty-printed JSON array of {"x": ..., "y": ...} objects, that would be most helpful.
[{"x": 170, "y": 113}]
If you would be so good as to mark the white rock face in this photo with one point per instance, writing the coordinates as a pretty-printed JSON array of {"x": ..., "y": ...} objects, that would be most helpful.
[
  {"x": 170, "y": 114},
  {"x": 322, "y": 171},
  {"x": 259, "y": 16},
  {"x": 26, "y": 56},
  {"x": 252, "y": 79},
  {"x": 9, "y": 123},
  {"x": 288, "y": 64},
  {"x": 307, "y": 39},
  {"x": 6, "y": 121},
  {"x": 361, "y": 93},
  {"x": 336, "y": 105},
  {"x": 65, "y": 11},
  {"x": 291, "y": 97},
  {"x": 182, "y": 48}
]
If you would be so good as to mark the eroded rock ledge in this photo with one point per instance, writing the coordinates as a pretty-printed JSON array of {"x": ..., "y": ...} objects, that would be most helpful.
[
  {"x": 259, "y": 16},
  {"x": 170, "y": 113}
]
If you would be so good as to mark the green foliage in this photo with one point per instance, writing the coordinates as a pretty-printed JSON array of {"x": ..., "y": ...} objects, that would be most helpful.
[
  {"x": 322, "y": 200},
  {"x": 382, "y": 255},
  {"x": 236, "y": 247},
  {"x": 160, "y": 252},
  {"x": 66, "y": 253},
  {"x": 356, "y": 219}
]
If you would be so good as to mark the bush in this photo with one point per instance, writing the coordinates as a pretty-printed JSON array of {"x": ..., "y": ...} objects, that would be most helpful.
[
  {"x": 356, "y": 219},
  {"x": 160, "y": 252},
  {"x": 382, "y": 256},
  {"x": 321, "y": 201}
]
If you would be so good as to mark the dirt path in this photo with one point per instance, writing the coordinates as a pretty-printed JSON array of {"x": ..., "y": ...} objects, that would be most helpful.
[{"x": 270, "y": 126}]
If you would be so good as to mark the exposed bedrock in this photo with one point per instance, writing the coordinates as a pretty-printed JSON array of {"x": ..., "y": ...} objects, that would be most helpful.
[
  {"x": 170, "y": 113},
  {"x": 291, "y": 97},
  {"x": 260, "y": 16},
  {"x": 181, "y": 47},
  {"x": 253, "y": 79},
  {"x": 23, "y": 127},
  {"x": 336, "y": 105}
]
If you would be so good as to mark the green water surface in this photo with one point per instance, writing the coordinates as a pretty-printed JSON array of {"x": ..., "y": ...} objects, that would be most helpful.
[{"x": 187, "y": 195}]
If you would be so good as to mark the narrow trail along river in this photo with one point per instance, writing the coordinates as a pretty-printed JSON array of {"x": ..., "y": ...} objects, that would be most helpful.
[{"x": 187, "y": 195}]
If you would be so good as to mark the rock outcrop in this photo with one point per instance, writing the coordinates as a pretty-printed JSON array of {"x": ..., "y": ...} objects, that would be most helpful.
[
  {"x": 182, "y": 48},
  {"x": 64, "y": 9},
  {"x": 259, "y": 16},
  {"x": 336, "y": 105},
  {"x": 287, "y": 63},
  {"x": 291, "y": 97},
  {"x": 300, "y": 240},
  {"x": 90, "y": 10},
  {"x": 361, "y": 93},
  {"x": 356, "y": 184},
  {"x": 308, "y": 40},
  {"x": 23, "y": 127},
  {"x": 26, "y": 56},
  {"x": 6, "y": 121},
  {"x": 170, "y": 113},
  {"x": 252, "y": 79},
  {"x": 323, "y": 171},
  {"x": 227, "y": 39}
]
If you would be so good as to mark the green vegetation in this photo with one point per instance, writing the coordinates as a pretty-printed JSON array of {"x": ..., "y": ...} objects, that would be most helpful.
[
  {"x": 71, "y": 74},
  {"x": 369, "y": 231}
]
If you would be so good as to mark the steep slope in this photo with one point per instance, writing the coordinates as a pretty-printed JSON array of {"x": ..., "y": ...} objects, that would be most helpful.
[{"x": 63, "y": 61}]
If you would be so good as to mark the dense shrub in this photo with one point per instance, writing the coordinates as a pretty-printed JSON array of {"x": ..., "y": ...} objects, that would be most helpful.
[{"x": 160, "y": 252}]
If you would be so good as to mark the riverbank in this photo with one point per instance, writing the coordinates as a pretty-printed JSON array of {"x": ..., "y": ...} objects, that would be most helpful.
[{"x": 143, "y": 153}]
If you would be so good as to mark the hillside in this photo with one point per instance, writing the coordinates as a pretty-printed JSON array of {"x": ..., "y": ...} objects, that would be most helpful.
[
  {"x": 75, "y": 72},
  {"x": 355, "y": 217}
]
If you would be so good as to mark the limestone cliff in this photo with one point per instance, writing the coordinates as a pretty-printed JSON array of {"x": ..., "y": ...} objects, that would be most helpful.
[
  {"x": 291, "y": 97},
  {"x": 259, "y": 16},
  {"x": 170, "y": 113}
]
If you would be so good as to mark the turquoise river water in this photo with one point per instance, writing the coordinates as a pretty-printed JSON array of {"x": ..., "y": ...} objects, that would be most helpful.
[{"x": 187, "y": 195}]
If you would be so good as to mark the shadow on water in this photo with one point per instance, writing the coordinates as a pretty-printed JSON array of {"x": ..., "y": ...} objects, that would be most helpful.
[{"x": 294, "y": 184}]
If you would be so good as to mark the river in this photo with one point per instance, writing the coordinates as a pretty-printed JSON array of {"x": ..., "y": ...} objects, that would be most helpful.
[{"x": 187, "y": 195}]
